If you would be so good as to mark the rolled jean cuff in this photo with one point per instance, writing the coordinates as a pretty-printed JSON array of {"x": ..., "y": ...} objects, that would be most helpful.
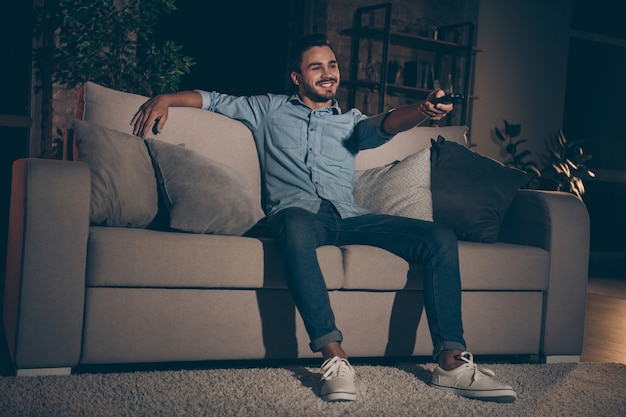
[
  {"x": 334, "y": 336},
  {"x": 447, "y": 346}
]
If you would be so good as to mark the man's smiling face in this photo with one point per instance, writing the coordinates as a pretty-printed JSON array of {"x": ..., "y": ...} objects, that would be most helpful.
[{"x": 318, "y": 78}]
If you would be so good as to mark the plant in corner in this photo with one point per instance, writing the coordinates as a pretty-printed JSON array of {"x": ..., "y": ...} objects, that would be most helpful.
[
  {"x": 564, "y": 166},
  {"x": 516, "y": 157},
  {"x": 110, "y": 42},
  {"x": 567, "y": 165}
]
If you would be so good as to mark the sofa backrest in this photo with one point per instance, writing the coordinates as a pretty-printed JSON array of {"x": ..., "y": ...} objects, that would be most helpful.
[
  {"x": 229, "y": 141},
  {"x": 406, "y": 143},
  {"x": 212, "y": 135}
]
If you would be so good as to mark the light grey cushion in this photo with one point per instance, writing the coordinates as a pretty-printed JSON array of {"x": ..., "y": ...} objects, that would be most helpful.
[
  {"x": 123, "y": 185},
  {"x": 401, "y": 188},
  {"x": 202, "y": 195}
]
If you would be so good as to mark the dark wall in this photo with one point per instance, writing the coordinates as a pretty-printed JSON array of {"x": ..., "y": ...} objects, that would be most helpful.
[
  {"x": 15, "y": 46},
  {"x": 241, "y": 47},
  {"x": 594, "y": 112}
]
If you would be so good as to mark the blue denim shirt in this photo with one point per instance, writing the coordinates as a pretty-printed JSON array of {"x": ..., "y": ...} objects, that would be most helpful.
[{"x": 305, "y": 155}]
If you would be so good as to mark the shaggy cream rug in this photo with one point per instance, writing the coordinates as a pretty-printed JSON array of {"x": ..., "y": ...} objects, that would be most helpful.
[{"x": 583, "y": 389}]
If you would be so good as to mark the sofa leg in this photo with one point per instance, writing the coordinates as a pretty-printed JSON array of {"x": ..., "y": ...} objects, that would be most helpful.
[
  {"x": 44, "y": 372},
  {"x": 561, "y": 359}
]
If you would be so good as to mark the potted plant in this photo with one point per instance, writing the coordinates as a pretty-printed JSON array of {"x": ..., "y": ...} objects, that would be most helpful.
[
  {"x": 110, "y": 42},
  {"x": 564, "y": 166}
]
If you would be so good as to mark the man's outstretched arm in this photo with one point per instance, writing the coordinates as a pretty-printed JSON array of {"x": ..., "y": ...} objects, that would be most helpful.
[
  {"x": 156, "y": 110},
  {"x": 405, "y": 117}
]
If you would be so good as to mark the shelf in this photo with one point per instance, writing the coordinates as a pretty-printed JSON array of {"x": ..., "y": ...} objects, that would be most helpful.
[
  {"x": 407, "y": 40},
  {"x": 405, "y": 89},
  {"x": 392, "y": 88},
  {"x": 449, "y": 58},
  {"x": 374, "y": 85}
]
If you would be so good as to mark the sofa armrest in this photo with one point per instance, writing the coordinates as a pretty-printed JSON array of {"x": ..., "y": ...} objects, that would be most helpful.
[
  {"x": 46, "y": 255},
  {"x": 559, "y": 223}
]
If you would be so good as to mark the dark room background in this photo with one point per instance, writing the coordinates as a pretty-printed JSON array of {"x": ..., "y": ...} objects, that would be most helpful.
[
  {"x": 240, "y": 48},
  {"x": 594, "y": 112}
]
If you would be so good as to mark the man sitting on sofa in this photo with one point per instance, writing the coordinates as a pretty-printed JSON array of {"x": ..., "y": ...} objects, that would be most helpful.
[{"x": 307, "y": 147}]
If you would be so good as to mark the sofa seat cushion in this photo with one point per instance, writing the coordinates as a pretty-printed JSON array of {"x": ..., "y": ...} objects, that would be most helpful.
[
  {"x": 503, "y": 266},
  {"x": 371, "y": 268},
  {"x": 122, "y": 257},
  {"x": 484, "y": 266}
]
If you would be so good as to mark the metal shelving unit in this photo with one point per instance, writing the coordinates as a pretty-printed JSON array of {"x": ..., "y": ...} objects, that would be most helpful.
[{"x": 452, "y": 52}]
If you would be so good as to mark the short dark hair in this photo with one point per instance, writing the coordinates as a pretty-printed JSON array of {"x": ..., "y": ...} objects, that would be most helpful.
[{"x": 304, "y": 44}]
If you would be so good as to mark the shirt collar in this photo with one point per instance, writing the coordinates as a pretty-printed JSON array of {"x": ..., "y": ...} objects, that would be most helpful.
[{"x": 333, "y": 108}]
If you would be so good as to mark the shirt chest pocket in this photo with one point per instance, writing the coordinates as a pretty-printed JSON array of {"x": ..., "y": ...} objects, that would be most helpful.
[
  {"x": 288, "y": 134},
  {"x": 333, "y": 148}
]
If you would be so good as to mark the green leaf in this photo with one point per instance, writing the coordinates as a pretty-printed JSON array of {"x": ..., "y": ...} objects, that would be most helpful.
[
  {"x": 107, "y": 44},
  {"x": 512, "y": 130},
  {"x": 500, "y": 135},
  {"x": 561, "y": 139},
  {"x": 511, "y": 149}
]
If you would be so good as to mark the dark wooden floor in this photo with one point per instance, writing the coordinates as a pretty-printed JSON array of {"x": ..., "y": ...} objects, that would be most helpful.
[{"x": 605, "y": 322}]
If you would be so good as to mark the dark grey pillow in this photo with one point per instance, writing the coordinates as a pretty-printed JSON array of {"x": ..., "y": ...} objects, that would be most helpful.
[
  {"x": 202, "y": 195},
  {"x": 401, "y": 188},
  {"x": 471, "y": 193},
  {"x": 123, "y": 185}
]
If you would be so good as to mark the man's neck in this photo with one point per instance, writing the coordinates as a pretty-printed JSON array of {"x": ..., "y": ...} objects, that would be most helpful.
[{"x": 315, "y": 105}]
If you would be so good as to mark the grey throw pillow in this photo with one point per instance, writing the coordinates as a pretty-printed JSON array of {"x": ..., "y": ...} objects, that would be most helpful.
[
  {"x": 401, "y": 188},
  {"x": 202, "y": 195},
  {"x": 123, "y": 185}
]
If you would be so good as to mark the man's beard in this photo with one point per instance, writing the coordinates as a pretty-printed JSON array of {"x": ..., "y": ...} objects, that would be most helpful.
[{"x": 318, "y": 97}]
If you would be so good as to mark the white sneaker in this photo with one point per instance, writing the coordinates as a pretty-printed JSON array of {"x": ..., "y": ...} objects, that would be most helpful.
[
  {"x": 337, "y": 380},
  {"x": 469, "y": 381}
]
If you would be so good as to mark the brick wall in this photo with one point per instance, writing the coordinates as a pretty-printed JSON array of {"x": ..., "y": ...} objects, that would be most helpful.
[
  {"x": 409, "y": 16},
  {"x": 64, "y": 104}
]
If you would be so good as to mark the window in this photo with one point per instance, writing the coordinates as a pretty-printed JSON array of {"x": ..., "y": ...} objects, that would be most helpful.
[{"x": 595, "y": 106}]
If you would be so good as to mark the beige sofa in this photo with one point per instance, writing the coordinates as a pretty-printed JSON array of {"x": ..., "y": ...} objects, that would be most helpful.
[{"x": 81, "y": 294}]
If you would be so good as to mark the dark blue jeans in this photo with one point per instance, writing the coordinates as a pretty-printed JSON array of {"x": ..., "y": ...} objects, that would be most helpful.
[{"x": 299, "y": 232}]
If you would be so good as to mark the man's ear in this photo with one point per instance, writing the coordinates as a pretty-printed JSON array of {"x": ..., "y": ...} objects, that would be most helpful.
[{"x": 295, "y": 77}]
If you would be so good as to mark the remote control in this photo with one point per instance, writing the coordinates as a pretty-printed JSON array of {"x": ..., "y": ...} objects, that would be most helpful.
[{"x": 449, "y": 98}]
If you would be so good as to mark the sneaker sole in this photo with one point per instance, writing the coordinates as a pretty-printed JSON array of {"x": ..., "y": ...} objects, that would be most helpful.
[
  {"x": 339, "y": 396},
  {"x": 498, "y": 396}
]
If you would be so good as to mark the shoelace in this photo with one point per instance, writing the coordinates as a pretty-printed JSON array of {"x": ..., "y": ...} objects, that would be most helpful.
[
  {"x": 335, "y": 368},
  {"x": 478, "y": 373}
]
